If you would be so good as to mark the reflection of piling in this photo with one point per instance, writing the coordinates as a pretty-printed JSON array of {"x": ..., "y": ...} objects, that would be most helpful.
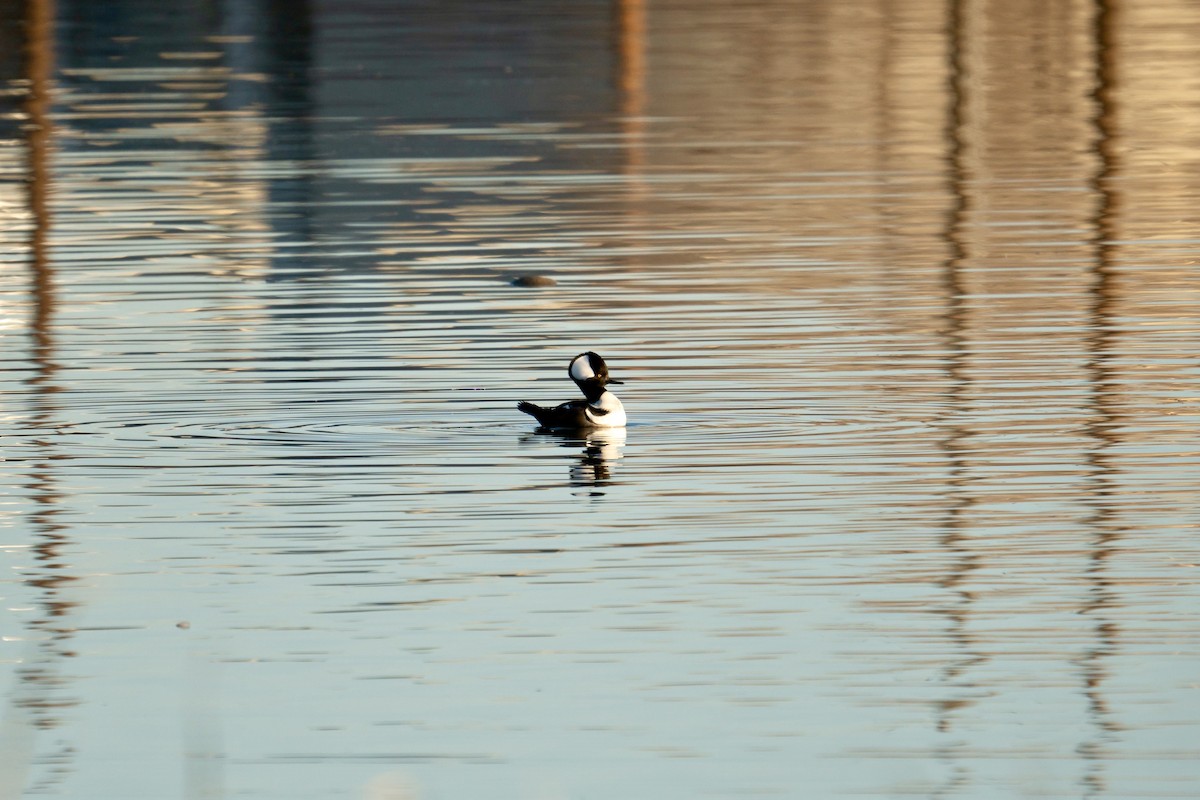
[
  {"x": 631, "y": 58},
  {"x": 630, "y": 80},
  {"x": 39, "y": 63},
  {"x": 1102, "y": 429},
  {"x": 41, "y": 683},
  {"x": 954, "y": 538}
]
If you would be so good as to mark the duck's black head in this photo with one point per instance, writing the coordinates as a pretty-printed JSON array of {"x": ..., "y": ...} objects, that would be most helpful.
[{"x": 590, "y": 374}]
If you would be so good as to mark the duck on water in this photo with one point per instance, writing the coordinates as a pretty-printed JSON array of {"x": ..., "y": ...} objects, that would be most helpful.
[{"x": 600, "y": 408}]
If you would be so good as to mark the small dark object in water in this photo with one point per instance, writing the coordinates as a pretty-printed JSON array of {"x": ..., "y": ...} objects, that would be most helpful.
[{"x": 533, "y": 281}]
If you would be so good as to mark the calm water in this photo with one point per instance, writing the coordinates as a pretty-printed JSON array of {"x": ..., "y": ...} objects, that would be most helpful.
[{"x": 905, "y": 297}]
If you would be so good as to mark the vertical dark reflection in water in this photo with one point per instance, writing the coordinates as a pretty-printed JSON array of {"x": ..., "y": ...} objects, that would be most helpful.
[
  {"x": 41, "y": 683},
  {"x": 630, "y": 62},
  {"x": 629, "y": 48},
  {"x": 275, "y": 39},
  {"x": 283, "y": 33},
  {"x": 1102, "y": 427},
  {"x": 954, "y": 538}
]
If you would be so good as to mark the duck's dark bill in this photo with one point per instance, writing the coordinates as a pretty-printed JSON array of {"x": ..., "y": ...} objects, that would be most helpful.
[{"x": 614, "y": 380}]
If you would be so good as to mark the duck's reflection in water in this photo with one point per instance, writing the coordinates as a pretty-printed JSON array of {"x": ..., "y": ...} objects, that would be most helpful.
[{"x": 599, "y": 450}]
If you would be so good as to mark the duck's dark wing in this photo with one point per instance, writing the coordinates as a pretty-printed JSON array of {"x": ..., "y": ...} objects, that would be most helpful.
[{"x": 566, "y": 415}]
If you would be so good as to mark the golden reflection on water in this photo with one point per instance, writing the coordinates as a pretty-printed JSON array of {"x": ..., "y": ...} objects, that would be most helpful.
[{"x": 907, "y": 292}]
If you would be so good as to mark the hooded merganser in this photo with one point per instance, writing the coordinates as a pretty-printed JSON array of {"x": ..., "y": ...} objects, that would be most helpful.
[{"x": 600, "y": 408}]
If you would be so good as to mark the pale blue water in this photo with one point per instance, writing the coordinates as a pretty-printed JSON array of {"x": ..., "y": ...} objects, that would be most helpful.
[{"x": 905, "y": 304}]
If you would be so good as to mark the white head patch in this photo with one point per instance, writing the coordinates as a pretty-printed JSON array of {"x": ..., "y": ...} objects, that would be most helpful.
[{"x": 581, "y": 368}]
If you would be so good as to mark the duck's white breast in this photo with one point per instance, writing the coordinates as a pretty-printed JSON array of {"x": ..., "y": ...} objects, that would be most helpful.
[{"x": 615, "y": 418}]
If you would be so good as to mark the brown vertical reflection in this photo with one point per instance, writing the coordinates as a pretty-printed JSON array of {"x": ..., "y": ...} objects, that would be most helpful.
[
  {"x": 631, "y": 56},
  {"x": 39, "y": 63},
  {"x": 954, "y": 330},
  {"x": 1102, "y": 429},
  {"x": 49, "y": 631},
  {"x": 630, "y": 79},
  {"x": 630, "y": 49}
]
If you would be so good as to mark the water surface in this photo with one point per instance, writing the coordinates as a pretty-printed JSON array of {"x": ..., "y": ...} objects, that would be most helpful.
[{"x": 904, "y": 298}]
